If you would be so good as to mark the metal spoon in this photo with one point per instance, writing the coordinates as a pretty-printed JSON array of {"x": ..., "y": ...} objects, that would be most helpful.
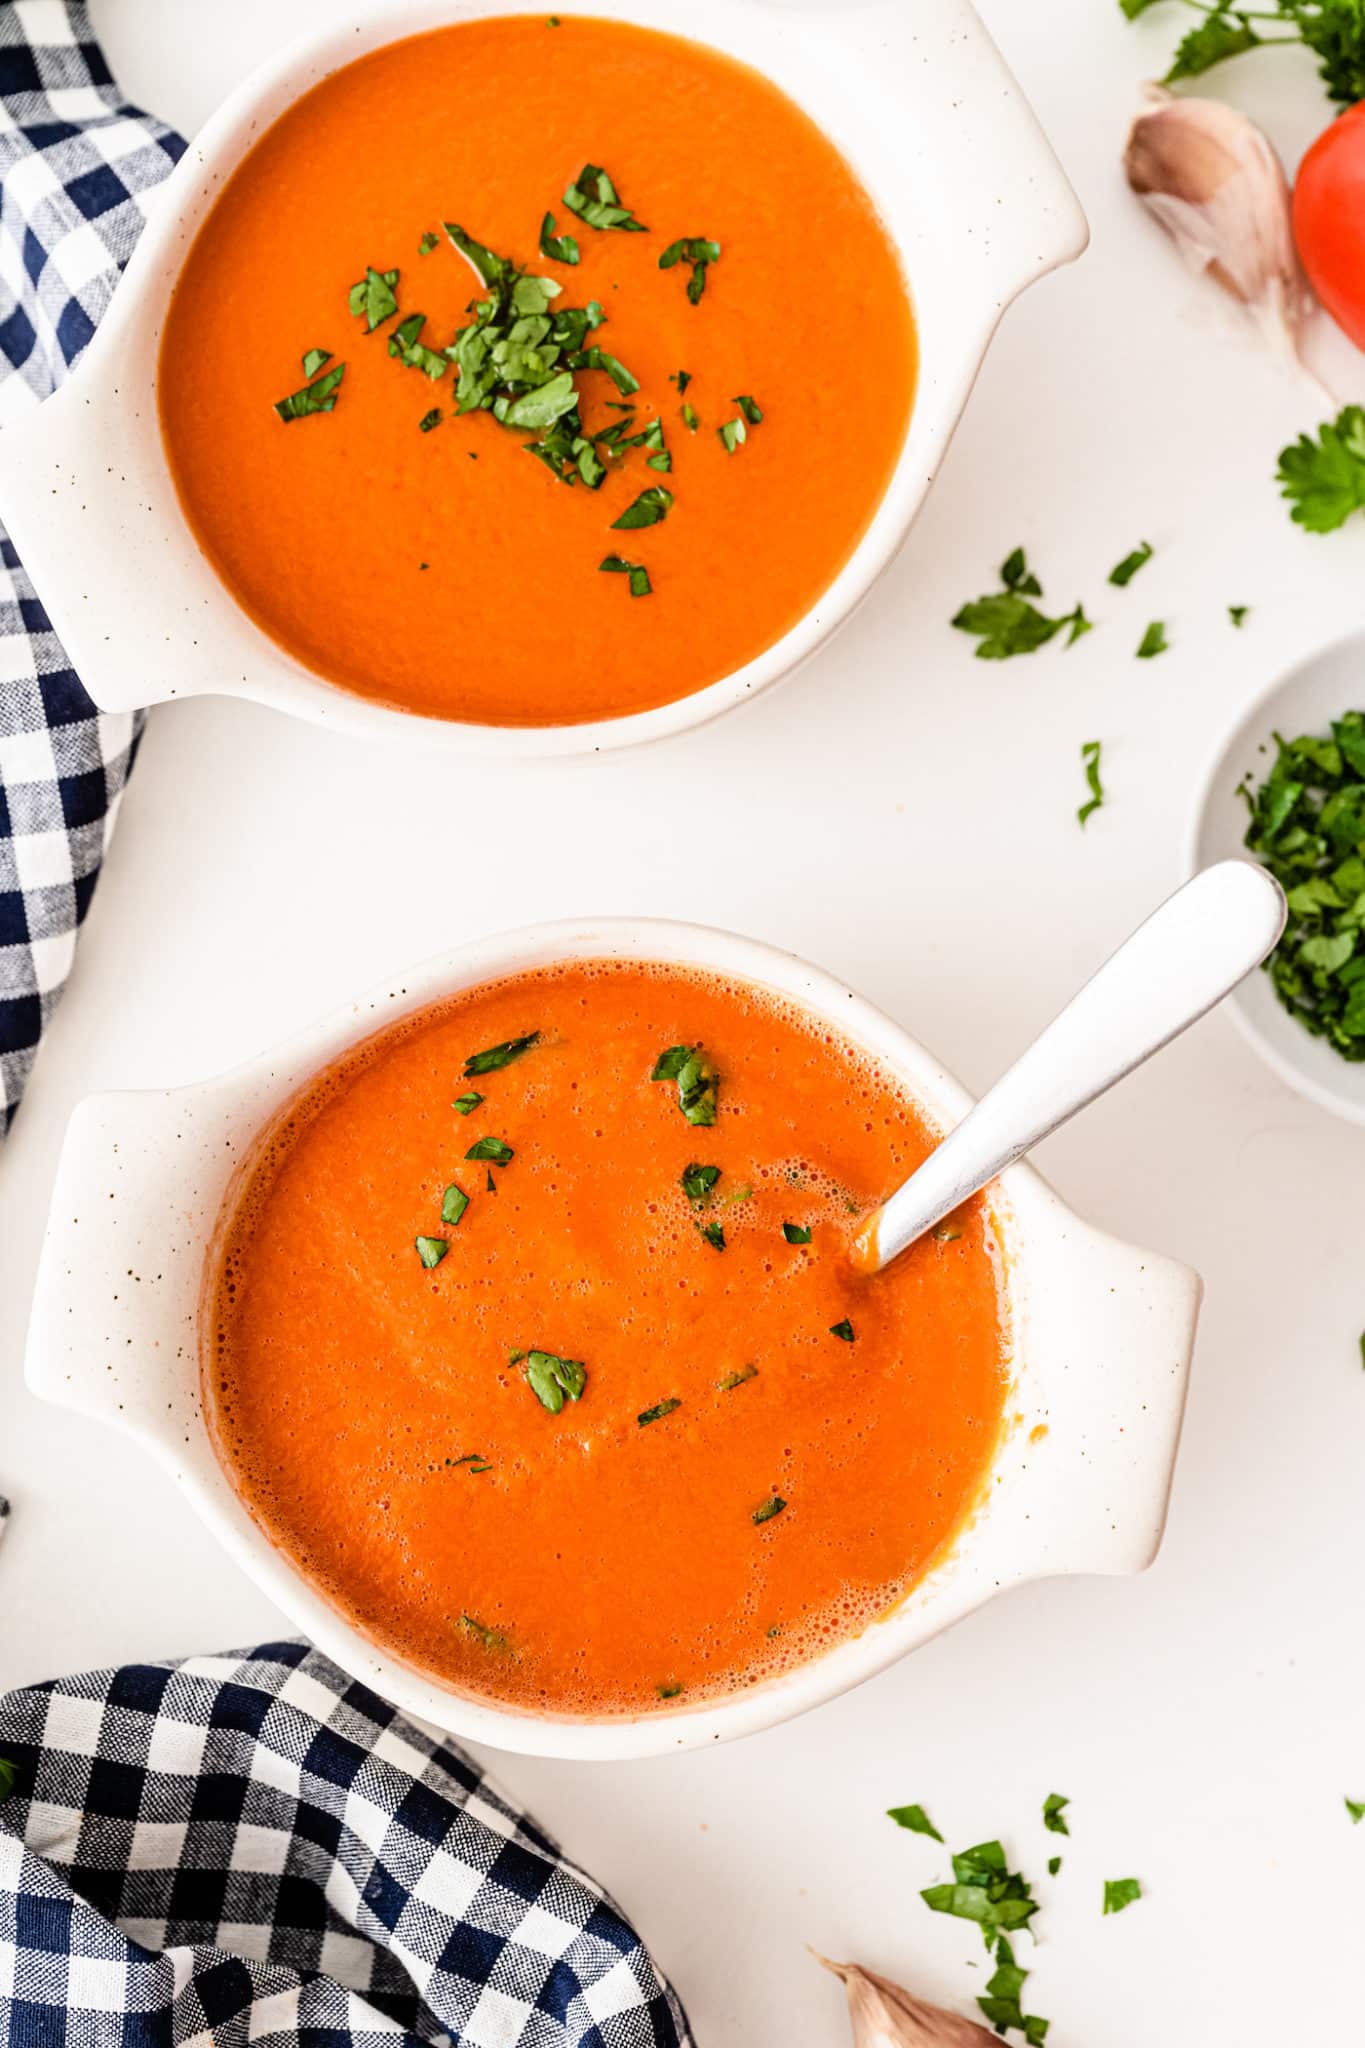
[{"x": 1187, "y": 956}]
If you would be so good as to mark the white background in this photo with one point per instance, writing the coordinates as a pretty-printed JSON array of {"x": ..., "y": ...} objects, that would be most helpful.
[{"x": 905, "y": 816}]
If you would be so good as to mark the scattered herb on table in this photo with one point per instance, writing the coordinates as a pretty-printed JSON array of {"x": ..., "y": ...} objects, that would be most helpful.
[
  {"x": 553, "y": 1380},
  {"x": 1054, "y": 1864},
  {"x": 698, "y": 251},
  {"x": 1123, "y": 572},
  {"x": 617, "y": 565},
  {"x": 1090, "y": 761},
  {"x": 698, "y": 1181},
  {"x": 1006, "y": 623},
  {"x": 318, "y": 396},
  {"x": 737, "y": 1379},
  {"x": 773, "y": 1506},
  {"x": 1120, "y": 1892},
  {"x": 842, "y": 1330},
  {"x": 557, "y": 248},
  {"x": 697, "y": 1082},
  {"x": 657, "y": 1412},
  {"x": 1016, "y": 574},
  {"x": 1324, "y": 479},
  {"x": 915, "y": 1819},
  {"x": 431, "y": 1250},
  {"x": 594, "y": 198},
  {"x": 1237, "y": 613},
  {"x": 653, "y": 504},
  {"x": 1355, "y": 1807},
  {"x": 1054, "y": 1820},
  {"x": 491, "y": 1148},
  {"x": 984, "y": 1890},
  {"x": 374, "y": 298},
  {"x": 454, "y": 1202},
  {"x": 1307, "y": 827},
  {"x": 796, "y": 1233},
  {"x": 496, "y": 1057},
  {"x": 1333, "y": 29},
  {"x": 466, "y": 1104},
  {"x": 1001, "y": 2002},
  {"x": 1153, "y": 641}
]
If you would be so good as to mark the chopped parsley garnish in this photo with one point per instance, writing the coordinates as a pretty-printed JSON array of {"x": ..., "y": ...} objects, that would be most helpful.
[
  {"x": 1120, "y": 1892},
  {"x": 772, "y": 1506},
  {"x": 682, "y": 378},
  {"x": 697, "y": 1082},
  {"x": 491, "y": 1638},
  {"x": 314, "y": 360},
  {"x": 1123, "y": 572},
  {"x": 737, "y": 1379},
  {"x": 1355, "y": 1807},
  {"x": 698, "y": 1181},
  {"x": 491, "y": 1148},
  {"x": 1054, "y": 1820},
  {"x": 318, "y": 396},
  {"x": 1001, "y": 2003},
  {"x": 915, "y": 1819},
  {"x": 1005, "y": 623},
  {"x": 465, "y": 1104},
  {"x": 699, "y": 251},
  {"x": 1237, "y": 613},
  {"x": 750, "y": 408},
  {"x": 407, "y": 348},
  {"x": 431, "y": 1250},
  {"x": 428, "y": 242},
  {"x": 594, "y": 198},
  {"x": 552, "y": 1379},
  {"x": 374, "y": 297},
  {"x": 429, "y": 420},
  {"x": 1308, "y": 827},
  {"x": 842, "y": 1330},
  {"x": 985, "y": 1890},
  {"x": 491, "y": 1183},
  {"x": 652, "y": 505},
  {"x": 733, "y": 435},
  {"x": 617, "y": 565},
  {"x": 1090, "y": 761},
  {"x": 796, "y": 1233},
  {"x": 496, "y": 1056},
  {"x": 689, "y": 417},
  {"x": 669, "y": 1692},
  {"x": 557, "y": 248},
  {"x": 1153, "y": 641},
  {"x": 714, "y": 1235},
  {"x": 1324, "y": 479},
  {"x": 658, "y": 1412},
  {"x": 1054, "y": 1864},
  {"x": 454, "y": 1202}
]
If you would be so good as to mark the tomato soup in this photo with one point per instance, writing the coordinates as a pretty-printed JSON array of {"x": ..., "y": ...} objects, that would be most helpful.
[
  {"x": 538, "y": 1346},
  {"x": 748, "y": 371}
]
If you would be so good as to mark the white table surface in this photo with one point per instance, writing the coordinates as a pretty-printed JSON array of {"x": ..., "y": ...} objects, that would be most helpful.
[{"x": 906, "y": 816}]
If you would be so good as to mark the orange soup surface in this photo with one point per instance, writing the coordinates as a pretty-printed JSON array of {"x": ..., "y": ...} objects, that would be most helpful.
[
  {"x": 430, "y": 562},
  {"x": 575, "y": 1403}
]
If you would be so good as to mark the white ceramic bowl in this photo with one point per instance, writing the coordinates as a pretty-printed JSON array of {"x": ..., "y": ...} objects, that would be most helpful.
[
  {"x": 1307, "y": 699},
  {"x": 916, "y": 97},
  {"x": 1101, "y": 1336}
]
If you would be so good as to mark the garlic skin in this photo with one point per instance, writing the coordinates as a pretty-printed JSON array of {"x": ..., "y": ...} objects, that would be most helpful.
[
  {"x": 1212, "y": 180},
  {"x": 882, "y": 2015}
]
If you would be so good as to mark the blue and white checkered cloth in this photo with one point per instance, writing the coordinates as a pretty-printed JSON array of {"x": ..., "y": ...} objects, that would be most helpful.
[
  {"x": 75, "y": 160},
  {"x": 252, "y": 1849}
]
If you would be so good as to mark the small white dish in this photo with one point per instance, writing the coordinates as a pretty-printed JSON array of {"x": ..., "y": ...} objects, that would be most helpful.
[
  {"x": 1100, "y": 1336},
  {"x": 1307, "y": 699},
  {"x": 916, "y": 97}
]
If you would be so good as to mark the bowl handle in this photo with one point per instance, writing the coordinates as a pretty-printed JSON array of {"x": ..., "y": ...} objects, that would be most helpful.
[{"x": 113, "y": 1332}]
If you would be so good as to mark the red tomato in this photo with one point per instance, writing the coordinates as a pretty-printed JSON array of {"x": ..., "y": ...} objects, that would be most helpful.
[{"x": 1329, "y": 220}]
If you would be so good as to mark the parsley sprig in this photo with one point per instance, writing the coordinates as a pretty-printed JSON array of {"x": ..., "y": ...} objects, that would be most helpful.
[
  {"x": 1333, "y": 29},
  {"x": 1324, "y": 477},
  {"x": 1006, "y": 623}
]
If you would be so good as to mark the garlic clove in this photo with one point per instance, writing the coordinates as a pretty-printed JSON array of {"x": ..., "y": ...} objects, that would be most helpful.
[
  {"x": 882, "y": 2015},
  {"x": 1210, "y": 177}
]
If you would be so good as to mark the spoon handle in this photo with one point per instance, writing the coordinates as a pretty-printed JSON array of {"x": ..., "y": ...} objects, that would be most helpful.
[{"x": 1187, "y": 956}]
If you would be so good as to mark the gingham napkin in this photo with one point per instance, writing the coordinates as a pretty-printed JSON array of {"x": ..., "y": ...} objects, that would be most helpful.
[
  {"x": 253, "y": 1849},
  {"x": 75, "y": 159}
]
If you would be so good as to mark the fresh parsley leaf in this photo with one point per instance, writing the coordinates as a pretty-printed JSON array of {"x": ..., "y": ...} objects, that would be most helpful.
[
  {"x": 714, "y": 1235},
  {"x": 495, "y": 1057},
  {"x": 429, "y": 420},
  {"x": 428, "y": 242},
  {"x": 1054, "y": 1864},
  {"x": 1123, "y": 572},
  {"x": 657, "y": 1413},
  {"x": 319, "y": 396},
  {"x": 670, "y": 1064},
  {"x": 314, "y": 360},
  {"x": 553, "y": 1380},
  {"x": 1324, "y": 479},
  {"x": 1237, "y": 613},
  {"x": 374, "y": 298},
  {"x": 1005, "y": 623},
  {"x": 1153, "y": 641},
  {"x": 1335, "y": 31},
  {"x": 986, "y": 1891},
  {"x": 700, "y": 252},
  {"x": 733, "y": 435},
  {"x": 1217, "y": 37},
  {"x": 1015, "y": 574},
  {"x": 915, "y": 1819},
  {"x": 491, "y": 1148},
  {"x": 594, "y": 198},
  {"x": 454, "y": 1202},
  {"x": 617, "y": 565},
  {"x": 1355, "y": 1807},
  {"x": 698, "y": 1181},
  {"x": 491, "y": 1638},
  {"x": 842, "y": 1330},
  {"x": 773, "y": 1506},
  {"x": 652, "y": 505},
  {"x": 1054, "y": 1820},
  {"x": 737, "y": 1379},
  {"x": 796, "y": 1233},
  {"x": 431, "y": 1250},
  {"x": 557, "y": 248},
  {"x": 1120, "y": 1892},
  {"x": 1090, "y": 761},
  {"x": 467, "y": 1103}
]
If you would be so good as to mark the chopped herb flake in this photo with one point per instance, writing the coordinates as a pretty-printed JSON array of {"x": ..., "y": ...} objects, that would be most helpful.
[
  {"x": 1001, "y": 2003},
  {"x": 1237, "y": 613},
  {"x": 750, "y": 408},
  {"x": 557, "y": 248},
  {"x": 985, "y": 1890},
  {"x": 697, "y": 1082},
  {"x": 314, "y": 360},
  {"x": 617, "y": 565},
  {"x": 429, "y": 420},
  {"x": 1054, "y": 1864},
  {"x": 1153, "y": 641},
  {"x": 428, "y": 242},
  {"x": 553, "y": 1379},
  {"x": 374, "y": 298},
  {"x": 737, "y": 1379},
  {"x": 843, "y": 1330},
  {"x": 454, "y": 1202},
  {"x": 1054, "y": 1820},
  {"x": 594, "y": 198},
  {"x": 796, "y": 1233},
  {"x": 1325, "y": 478},
  {"x": 682, "y": 378},
  {"x": 698, "y": 1181},
  {"x": 497, "y": 1056},
  {"x": 915, "y": 1819},
  {"x": 407, "y": 347},
  {"x": 1120, "y": 1892},
  {"x": 431, "y": 1250},
  {"x": 491, "y": 1148},
  {"x": 1090, "y": 761},
  {"x": 1355, "y": 1807},
  {"x": 491, "y": 1638},
  {"x": 319, "y": 396},
  {"x": 689, "y": 417},
  {"x": 733, "y": 435},
  {"x": 697, "y": 250},
  {"x": 1123, "y": 572},
  {"x": 652, "y": 505},
  {"x": 657, "y": 1413},
  {"x": 773, "y": 1506},
  {"x": 669, "y": 1692},
  {"x": 1015, "y": 574},
  {"x": 466, "y": 1103},
  {"x": 1005, "y": 623},
  {"x": 713, "y": 1234}
]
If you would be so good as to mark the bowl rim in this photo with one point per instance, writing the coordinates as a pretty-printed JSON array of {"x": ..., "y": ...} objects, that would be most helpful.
[{"x": 1235, "y": 1008}]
